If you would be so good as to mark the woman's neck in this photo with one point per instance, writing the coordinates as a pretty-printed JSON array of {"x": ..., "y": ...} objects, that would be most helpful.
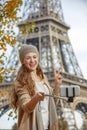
[
  {"x": 33, "y": 73},
  {"x": 35, "y": 77}
]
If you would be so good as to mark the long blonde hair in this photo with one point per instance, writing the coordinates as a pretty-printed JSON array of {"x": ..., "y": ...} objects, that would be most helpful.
[{"x": 25, "y": 79}]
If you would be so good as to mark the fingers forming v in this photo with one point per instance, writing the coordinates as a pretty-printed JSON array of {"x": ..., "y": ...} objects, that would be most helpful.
[{"x": 57, "y": 73}]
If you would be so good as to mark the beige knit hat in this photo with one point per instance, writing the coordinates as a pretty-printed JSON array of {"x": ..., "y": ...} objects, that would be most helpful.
[{"x": 26, "y": 49}]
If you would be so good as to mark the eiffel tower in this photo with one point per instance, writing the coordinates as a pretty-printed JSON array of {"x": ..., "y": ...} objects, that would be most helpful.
[{"x": 50, "y": 36}]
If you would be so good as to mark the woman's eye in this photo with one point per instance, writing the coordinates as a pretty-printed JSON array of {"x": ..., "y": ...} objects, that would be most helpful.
[
  {"x": 28, "y": 58},
  {"x": 34, "y": 57}
]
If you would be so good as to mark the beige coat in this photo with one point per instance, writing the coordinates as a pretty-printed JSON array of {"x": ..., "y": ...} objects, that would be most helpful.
[{"x": 31, "y": 120}]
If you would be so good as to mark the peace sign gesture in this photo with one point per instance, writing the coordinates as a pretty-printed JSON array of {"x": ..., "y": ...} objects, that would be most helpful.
[{"x": 58, "y": 77}]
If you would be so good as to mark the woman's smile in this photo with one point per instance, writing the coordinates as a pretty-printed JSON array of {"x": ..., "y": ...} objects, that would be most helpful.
[{"x": 31, "y": 61}]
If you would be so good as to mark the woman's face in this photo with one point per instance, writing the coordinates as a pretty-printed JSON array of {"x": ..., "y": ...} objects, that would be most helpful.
[{"x": 31, "y": 61}]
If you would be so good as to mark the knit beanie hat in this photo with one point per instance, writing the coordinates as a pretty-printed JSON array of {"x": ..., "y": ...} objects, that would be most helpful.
[{"x": 27, "y": 49}]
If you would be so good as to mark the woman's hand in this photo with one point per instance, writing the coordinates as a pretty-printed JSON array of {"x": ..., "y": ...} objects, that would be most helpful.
[
  {"x": 58, "y": 80},
  {"x": 58, "y": 77},
  {"x": 40, "y": 96}
]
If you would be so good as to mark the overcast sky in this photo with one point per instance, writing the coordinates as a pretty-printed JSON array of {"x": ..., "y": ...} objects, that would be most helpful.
[
  {"x": 5, "y": 123},
  {"x": 75, "y": 15}
]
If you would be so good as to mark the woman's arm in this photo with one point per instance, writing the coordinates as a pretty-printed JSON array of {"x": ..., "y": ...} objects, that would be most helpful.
[
  {"x": 25, "y": 101},
  {"x": 39, "y": 96},
  {"x": 58, "y": 81}
]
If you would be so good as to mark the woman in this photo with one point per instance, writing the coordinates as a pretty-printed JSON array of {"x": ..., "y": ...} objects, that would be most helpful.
[{"x": 35, "y": 110}]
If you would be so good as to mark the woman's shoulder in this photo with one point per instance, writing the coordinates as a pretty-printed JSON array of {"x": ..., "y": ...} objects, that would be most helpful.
[{"x": 16, "y": 83}]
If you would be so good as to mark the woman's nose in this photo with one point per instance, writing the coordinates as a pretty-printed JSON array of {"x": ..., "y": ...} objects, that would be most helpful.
[{"x": 32, "y": 60}]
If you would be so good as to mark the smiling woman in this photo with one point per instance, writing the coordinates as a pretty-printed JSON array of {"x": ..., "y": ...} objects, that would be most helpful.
[
  {"x": 28, "y": 93},
  {"x": 30, "y": 60}
]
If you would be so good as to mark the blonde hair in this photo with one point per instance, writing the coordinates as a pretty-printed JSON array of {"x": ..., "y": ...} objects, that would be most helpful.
[{"x": 25, "y": 79}]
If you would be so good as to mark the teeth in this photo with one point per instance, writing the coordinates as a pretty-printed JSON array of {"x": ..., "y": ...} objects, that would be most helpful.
[{"x": 32, "y": 65}]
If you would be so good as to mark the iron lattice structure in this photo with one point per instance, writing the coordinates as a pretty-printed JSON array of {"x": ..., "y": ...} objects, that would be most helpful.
[
  {"x": 40, "y": 8},
  {"x": 50, "y": 36}
]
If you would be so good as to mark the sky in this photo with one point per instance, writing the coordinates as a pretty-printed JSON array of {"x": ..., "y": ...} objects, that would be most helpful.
[
  {"x": 5, "y": 123},
  {"x": 75, "y": 15}
]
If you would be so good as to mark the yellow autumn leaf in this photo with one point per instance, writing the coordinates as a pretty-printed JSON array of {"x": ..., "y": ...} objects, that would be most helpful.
[
  {"x": 1, "y": 62},
  {"x": 1, "y": 70}
]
